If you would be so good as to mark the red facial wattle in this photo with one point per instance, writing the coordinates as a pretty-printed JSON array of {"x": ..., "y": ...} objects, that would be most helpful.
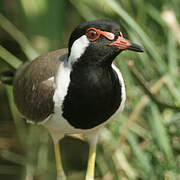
[
  {"x": 120, "y": 42},
  {"x": 124, "y": 44}
]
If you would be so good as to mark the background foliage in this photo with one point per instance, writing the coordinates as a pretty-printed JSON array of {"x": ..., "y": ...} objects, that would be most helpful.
[{"x": 144, "y": 142}]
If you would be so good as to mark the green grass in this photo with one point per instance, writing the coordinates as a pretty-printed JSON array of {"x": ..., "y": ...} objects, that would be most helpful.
[{"x": 142, "y": 143}]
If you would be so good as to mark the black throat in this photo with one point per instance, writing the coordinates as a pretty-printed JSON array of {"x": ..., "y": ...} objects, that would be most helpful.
[{"x": 94, "y": 94}]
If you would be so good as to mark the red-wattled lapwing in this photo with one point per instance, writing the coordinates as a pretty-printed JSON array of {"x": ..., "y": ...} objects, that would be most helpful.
[{"x": 77, "y": 90}]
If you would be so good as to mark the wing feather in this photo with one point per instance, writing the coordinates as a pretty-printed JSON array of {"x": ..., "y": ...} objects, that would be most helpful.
[{"x": 33, "y": 86}]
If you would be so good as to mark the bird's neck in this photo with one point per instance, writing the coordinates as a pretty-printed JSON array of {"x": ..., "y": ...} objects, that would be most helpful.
[
  {"x": 89, "y": 69},
  {"x": 89, "y": 59}
]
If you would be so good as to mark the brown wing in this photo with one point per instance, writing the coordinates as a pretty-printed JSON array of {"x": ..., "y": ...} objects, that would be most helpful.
[{"x": 33, "y": 86}]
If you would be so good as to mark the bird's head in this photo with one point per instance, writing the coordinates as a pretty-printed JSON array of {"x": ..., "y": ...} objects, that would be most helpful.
[{"x": 98, "y": 42}]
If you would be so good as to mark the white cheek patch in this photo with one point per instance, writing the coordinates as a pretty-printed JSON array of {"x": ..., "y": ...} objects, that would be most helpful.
[{"x": 78, "y": 48}]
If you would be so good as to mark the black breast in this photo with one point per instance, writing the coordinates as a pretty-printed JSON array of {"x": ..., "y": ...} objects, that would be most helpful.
[{"x": 94, "y": 94}]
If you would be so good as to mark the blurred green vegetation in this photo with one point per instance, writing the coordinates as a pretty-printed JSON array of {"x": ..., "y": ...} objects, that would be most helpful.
[{"x": 143, "y": 142}]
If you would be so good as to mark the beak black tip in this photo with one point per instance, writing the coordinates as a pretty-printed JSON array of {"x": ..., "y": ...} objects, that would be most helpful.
[
  {"x": 141, "y": 49},
  {"x": 135, "y": 47}
]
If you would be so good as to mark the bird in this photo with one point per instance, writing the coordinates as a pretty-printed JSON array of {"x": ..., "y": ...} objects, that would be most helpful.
[{"x": 76, "y": 90}]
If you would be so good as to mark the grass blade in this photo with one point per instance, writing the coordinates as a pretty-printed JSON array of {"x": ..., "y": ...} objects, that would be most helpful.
[
  {"x": 19, "y": 37},
  {"x": 143, "y": 161},
  {"x": 160, "y": 134},
  {"x": 9, "y": 58}
]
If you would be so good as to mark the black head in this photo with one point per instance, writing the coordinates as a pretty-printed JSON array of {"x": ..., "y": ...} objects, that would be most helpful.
[{"x": 100, "y": 40}]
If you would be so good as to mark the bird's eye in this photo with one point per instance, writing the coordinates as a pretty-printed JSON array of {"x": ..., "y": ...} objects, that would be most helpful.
[{"x": 92, "y": 34}]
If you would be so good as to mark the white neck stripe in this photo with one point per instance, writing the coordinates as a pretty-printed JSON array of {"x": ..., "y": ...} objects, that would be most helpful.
[{"x": 78, "y": 48}]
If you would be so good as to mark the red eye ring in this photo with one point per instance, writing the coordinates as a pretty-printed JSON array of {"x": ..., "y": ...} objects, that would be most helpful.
[{"x": 92, "y": 34}]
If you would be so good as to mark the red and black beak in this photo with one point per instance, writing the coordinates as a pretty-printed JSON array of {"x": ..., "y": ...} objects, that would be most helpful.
[{"x": 124, "y": 44}]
